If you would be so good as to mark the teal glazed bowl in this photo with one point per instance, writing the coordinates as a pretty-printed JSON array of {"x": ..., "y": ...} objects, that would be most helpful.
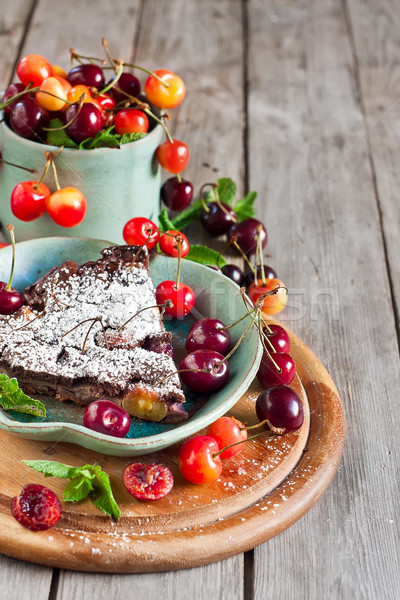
[
  {"x": 118, "y": 183},
  {"x": 216, "y": 296}
]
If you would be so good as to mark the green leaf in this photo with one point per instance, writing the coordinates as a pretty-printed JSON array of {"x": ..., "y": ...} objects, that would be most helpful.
[
  {"x": 60, "y": 137},
  {"x": 103, "y": 139},
  {"x": 244, "y": 208},
  {"x": 77, "y": 489},
  {"x": 187, "y": 216},
  {"x": 106, "y": 502},
  {"x": 205, "y": 255},
  {"x": 226, "y": 190},
  {"x": 84, "y": 481},
  {"x": 126, "y": 138},
  {"x": 164, "y": 221},
  {"x": 50, "y": 468},
  {"x": 13, "y": 398}
]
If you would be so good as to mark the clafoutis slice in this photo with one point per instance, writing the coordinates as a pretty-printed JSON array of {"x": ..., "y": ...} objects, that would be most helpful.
[{"x": 67, "y": 340}]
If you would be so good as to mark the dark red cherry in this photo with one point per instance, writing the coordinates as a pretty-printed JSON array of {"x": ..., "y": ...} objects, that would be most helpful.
[
  {"x": 233, "y": 272},
  {"x": 269, "y": 273},
  {"x": 216, "y": 220},
  {"x": 279, "y": 338},
  {"x": 208, "y": 334},
  {"x": 107, "y": 417},
  {"x": 200, "y": 381},
  {"x": 282, "y": 407},
  {"x": 268, "y": 375},
  {"x": 161, "y": 347},
  {"x": 87, "y": 74},
  {"x": 87, "y": 123},
  {"x": 10, "y": 300},
  {"x": 176, "y": 194},
  {"x": 37, "y": 508},
  {"x": 27, "y": 119},
  {"x": 246, "y": 233},
  {"x": 127, "y": 83},
  {"x": 12, "y": 90}
]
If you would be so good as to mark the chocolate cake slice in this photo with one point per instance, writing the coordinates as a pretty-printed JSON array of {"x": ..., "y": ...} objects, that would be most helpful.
[{"x": 67, "y": 340}]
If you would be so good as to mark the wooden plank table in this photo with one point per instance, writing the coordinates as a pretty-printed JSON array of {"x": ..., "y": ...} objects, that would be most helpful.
[{"x": 300, "y": 101}]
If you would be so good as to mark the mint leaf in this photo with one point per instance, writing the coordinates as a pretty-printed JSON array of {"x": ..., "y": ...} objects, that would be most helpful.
[
  {"x": 84, "y": 481},
  {"x": 126, "y": 138},
  {"x": 164, "y": 221},
  {"x": 188, "y": 215},
  {"x": 106, "y": 501},
  {"x": 205, "y": 255},
  {"x": 77, "y": 490},
  {"x": 244, "y": 208},
  {"x": 13, "y": 398},
  {"x": 103, "y": 139},
  {"x": 226, "y": 190},
  {"x": 50, "y": 468},
  {"x": 60, "y": 137}
]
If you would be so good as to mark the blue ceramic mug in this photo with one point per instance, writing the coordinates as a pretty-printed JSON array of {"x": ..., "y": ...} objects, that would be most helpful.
[{"x": 118, "y": 184}]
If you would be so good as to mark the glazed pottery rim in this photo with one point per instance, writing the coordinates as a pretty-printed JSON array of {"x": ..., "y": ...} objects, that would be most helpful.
[
  {"x": 66, "y": 150},
  {"x": 158, "y": 440}
]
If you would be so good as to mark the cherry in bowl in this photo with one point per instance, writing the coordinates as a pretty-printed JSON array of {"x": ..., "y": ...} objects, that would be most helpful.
[
  {"x": 204, "y": 371},
  {"x": 107, "y": 417},
  {"x": 208, "y": 334}
]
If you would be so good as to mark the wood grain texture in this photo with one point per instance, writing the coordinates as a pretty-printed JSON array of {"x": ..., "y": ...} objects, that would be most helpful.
[
  {"x": 309, "y": 159},
  {"x": 150, "y": 543},
  {"x": 14, "y": 20},
  {"x": 18, "y": 579}
]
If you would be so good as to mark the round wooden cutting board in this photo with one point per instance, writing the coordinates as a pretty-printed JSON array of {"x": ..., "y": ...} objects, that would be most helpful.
[{"x": 261, "y": 492}]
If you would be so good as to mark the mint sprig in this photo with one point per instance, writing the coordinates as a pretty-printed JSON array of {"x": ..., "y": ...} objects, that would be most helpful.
[
  {"x": 85, "y": 481},
  {"x": 226, "y": 191},
  {"x": 105, "y": 138},
  {"x": 192, "y": 213},
  {"x": 13, "y": 398},
  {"x": 164, "y": 221},
  {"x": 244, "y": 208},
  {"x": 205, "y": 256},
  {"x": 59, "y": 137}
]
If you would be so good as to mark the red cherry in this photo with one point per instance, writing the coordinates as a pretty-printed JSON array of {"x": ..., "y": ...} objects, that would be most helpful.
[
  {"x": 269, "y": 376},
  {"x": 273, "y": 303},
  {"x": 165, "y": 96},
  {"x": 169, "y": 243},
  {"x": 279, "y": 338},
  {"x": 131, "y": 120},
  {"x": 173, "y": 156},
  {"x": 140, "y": 231},
  {"x": 182, "y": 298},
  {"x": 12, "y": 90},
  {"x": 3, "y": 245},
  {"x": 27, "y": 202},
  {"x": 198, "y": 462},
  {"x": 208, "y": 334},
  {"x": 176, "y": 194},
  {"x": 282, "y": 407},
  {"x": 37, "y": 508},
  {"x": 147, "y": 482},
  {"x": 212, "y": 379},
  {"x": 10, "y": 299},
  {"x": 107, "y": 417},
  {"x": 227, "y": 431},
  {"x": 34, "y": 69},
  {"x": 246, "y": 234}
]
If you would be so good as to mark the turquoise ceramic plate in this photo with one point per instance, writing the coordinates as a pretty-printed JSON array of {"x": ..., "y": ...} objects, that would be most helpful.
[{"x": 216, "y": 296}]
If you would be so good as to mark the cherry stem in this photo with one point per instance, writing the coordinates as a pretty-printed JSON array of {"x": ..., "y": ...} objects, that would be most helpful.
[
  {"x": 11, "y": 230},
  {"x": 263, "y": 335},
  {"x": 202, "y": 199},
  {"x": 29, "y": 322},
  {"x": 167, "y": 304},
  {"x": 165, "y": 84},
  {"x": 277, "y": 368},
  {"x": 203, "y": 370},
  {"x": 19, "y": 95},
  {"x": 91, "y": 59},
  {"x": 107, "y": 51},
  {"x": 95, "y": 320},
  {"x": 234, "y": 242},
  {"x": 45, "y": 170},
  {"x": 252, "y": 437},
  {"x": 179, "y": 241},
  {"x": 113, "y": 81},
  {"x": 222, "y": 253},
  {"x": 80, "y": 101},
  {"x": 53, "y": 168},
  {"x": 273, "y": 429},
  {"x": 238, "y": 320},
  {"x": 236, "y": 346},
  {"x": 179, "y": 178},
  {"x": 267, "y": 327},
  {"x": 6, "y": 162},
  {"x": 255, "y": 264},
  {"x": 260, "y": 250}
]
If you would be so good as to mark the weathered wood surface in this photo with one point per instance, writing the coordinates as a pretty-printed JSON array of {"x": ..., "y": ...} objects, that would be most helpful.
[{"x": 320, "y": 75}]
